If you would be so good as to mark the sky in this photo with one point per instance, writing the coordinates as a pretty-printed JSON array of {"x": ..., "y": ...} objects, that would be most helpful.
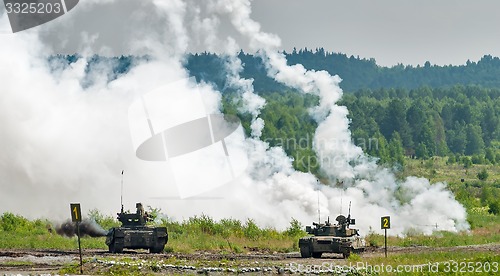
[{"x": 390, "y": 31}]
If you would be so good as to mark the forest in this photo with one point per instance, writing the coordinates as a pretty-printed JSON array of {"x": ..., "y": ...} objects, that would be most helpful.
[
  {"x": 460, "y": 122},
  {"x": 356, "y": 73},
  {"x": 409, "y": 112}
]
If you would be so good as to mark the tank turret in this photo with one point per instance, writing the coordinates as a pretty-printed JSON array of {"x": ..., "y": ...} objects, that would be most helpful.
[{"x": 139, "y": 218}]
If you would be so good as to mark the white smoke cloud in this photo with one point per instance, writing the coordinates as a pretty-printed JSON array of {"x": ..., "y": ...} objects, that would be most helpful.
[
  {"x": 65, "y": 136},
  {"x": 374, "y": 189}
]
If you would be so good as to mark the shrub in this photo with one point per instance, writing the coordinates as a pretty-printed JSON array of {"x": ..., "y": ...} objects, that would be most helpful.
[
  {"x": 451, "y": 159},
  {"x": 483, "y": 175},
  {"x": 251, "y": 230},
  {"x": 106, "y": 222},
  {"x": 295, "y": 228},
  {"x": 490, "y": 155},
  {"x": 494, "y": 207},
  {"x": 10, "y": 222},
  {"x": 478, "y": 159},
  {"x": 467, "y": 162}
]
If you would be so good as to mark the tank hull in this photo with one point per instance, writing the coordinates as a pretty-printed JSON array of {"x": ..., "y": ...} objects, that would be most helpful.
[
  {"x": 140, "y": 237},
  {"x": 315, "y": 246}
]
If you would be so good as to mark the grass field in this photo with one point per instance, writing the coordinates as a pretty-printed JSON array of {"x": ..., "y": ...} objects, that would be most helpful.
[
  {"x": 203, "y": 234},
  {"x": 228, "y": 235},
  {"x": 436, "y": 170}
]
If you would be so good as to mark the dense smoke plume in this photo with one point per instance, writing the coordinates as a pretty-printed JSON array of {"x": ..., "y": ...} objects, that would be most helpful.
[
  {"x": 415, "y": 203},
  {"x": 65, "y": 136},
  {"x": 88, "y": 227}
]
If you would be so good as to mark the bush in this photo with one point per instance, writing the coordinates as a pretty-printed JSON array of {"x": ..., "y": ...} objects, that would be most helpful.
[
  {"x": 451, "y": 159},
  {"x": 251, "y": 230},
  {"x": 494, "y": 207},
  {"x": 10, "y": 222},
  {"x": 106, "y": 222},
  {"x": 490, "y": 155},
  {"x": 483, "y": 175},
  {"x": 478, "y": 159},
  {"x": 295, "y": 228},
  {"x": 467, "y": 162},
  {"x": 203, "y": 224}
]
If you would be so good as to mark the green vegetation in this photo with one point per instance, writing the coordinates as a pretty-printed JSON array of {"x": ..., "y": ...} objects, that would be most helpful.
[
  {"x": 442, "y": 262},
  {"x": 437, "y": 122},
  {"x": 459, "y": 123},
  {"x": 417, "y": 112},
  {"x": 356, "y": 73},
  {"x": 194, "y": 234},
  {"x": 229, "y": 235},
  {"x": 19, "y": 232}
]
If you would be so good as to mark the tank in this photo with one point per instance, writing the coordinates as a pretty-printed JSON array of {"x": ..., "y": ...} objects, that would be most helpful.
[
  {"x": 135, "y": 234},
  {"x": 331, "y": 238}
]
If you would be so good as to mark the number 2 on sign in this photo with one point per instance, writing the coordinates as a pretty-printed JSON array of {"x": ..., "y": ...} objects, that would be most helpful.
[{"x": 385, "y": 223}]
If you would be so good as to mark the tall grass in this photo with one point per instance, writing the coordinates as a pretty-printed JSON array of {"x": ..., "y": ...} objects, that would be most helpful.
[
  {"x": 19, "y": 232},
  {"x": 196, "y": 233},
  {"x": 229, "y": 235}
]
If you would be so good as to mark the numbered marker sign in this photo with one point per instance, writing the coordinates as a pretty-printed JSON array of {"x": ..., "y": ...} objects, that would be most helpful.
[
  {"x": 76, "y": 213},
  {"x": 385, "y": 222}
]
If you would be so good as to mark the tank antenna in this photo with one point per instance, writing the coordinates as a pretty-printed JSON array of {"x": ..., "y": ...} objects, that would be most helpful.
[
  {"x": 121, "y": 193},
  {"x": 341, "y": 201},
  {"x": 319, "y": 212}
]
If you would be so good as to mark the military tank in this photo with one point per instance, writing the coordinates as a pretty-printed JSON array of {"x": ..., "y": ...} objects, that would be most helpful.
[
  {"x": 135, "y": 234},
  {"x": 331, "y": 238}
]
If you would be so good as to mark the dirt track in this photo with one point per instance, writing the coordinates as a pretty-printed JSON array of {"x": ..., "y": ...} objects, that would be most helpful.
[{"x": 43, "y": 262}]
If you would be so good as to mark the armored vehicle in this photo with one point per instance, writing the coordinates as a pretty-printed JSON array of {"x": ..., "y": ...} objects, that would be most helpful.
[
  {"x": 134, "y": 234},
  {"x": 328, "y": 238}
]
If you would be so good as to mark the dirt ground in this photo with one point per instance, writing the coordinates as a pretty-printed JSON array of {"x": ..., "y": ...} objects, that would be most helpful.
[{"x": 50, "y": 262}]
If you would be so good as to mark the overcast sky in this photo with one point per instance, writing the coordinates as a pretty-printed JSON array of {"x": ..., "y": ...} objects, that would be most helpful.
[{"x": 391, "y": 31}]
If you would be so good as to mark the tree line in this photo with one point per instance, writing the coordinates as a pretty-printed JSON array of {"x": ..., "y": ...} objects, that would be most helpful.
[
  {"x": 424, "y": 122},
  {"x": 356, "y": 73},
  {"x": 461, "y": 122},
  {"x": 409, "y": 111}
]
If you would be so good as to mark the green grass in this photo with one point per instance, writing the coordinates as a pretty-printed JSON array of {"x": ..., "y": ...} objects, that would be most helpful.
[
  {"x": 202, "y": 233},
  {"x": 229, "y": 235},
  {"x": 195, "y": 234},
  {"x": 421, "y": 262},
  {"x": 436, "y": 170},
  {"x": 484, "y": 230},
  {"x": 11, "y": 240},
  {"x": 440, "y": 262}
]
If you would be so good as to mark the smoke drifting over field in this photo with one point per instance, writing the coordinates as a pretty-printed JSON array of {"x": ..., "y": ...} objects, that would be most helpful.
[
  {"x": 66, "y": 140},
  {"x": 87, "y": 228}
]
